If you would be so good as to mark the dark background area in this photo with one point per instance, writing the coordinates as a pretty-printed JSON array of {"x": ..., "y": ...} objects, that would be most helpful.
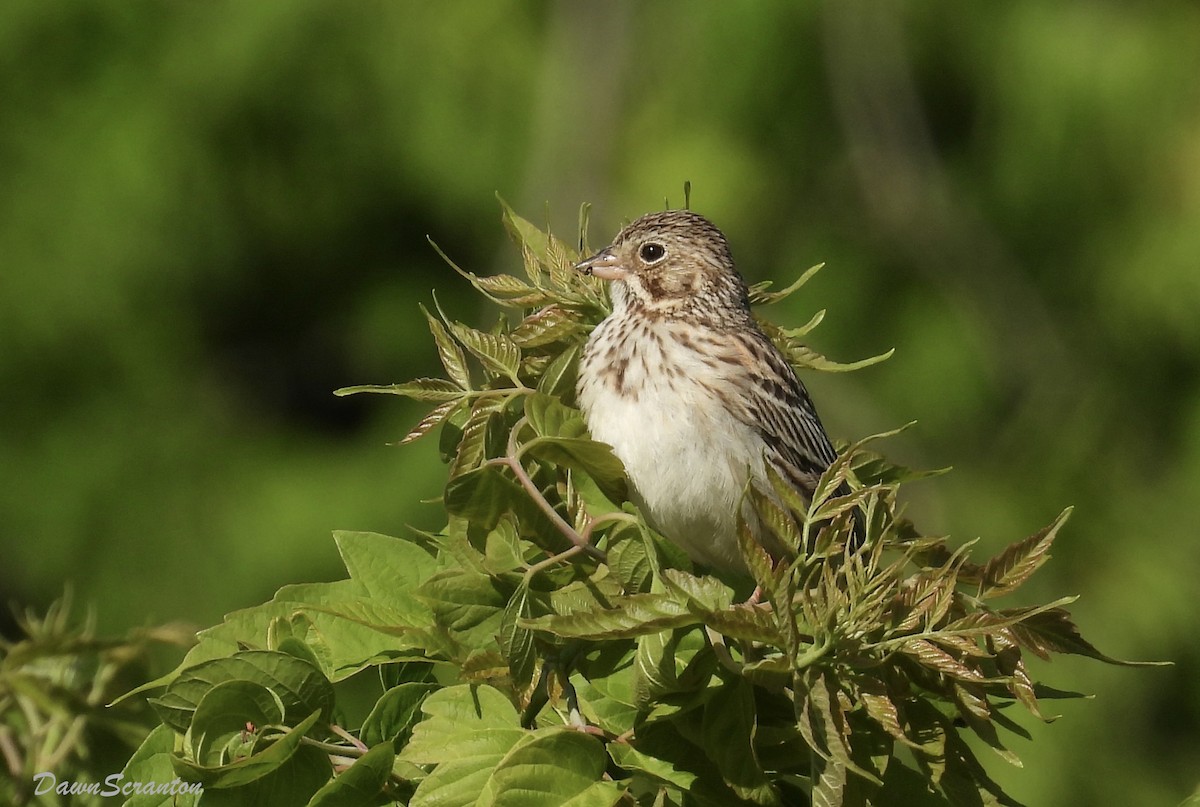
[{"x": 212, "y": 215}]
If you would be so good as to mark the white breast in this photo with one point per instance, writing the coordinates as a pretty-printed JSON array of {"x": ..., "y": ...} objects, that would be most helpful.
[{"x": 687, "y": 457}]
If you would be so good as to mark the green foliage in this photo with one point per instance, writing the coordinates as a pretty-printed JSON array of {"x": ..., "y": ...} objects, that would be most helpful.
[
  {"x": 547, "y": 647},
  {"x": 55, "y": 683}
]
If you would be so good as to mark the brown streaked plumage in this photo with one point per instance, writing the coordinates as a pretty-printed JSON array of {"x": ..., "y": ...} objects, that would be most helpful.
[{"x": 688, "y": 390}]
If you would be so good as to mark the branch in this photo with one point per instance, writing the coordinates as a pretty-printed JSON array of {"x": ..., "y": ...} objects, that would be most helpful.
[{"x": 523, "y": 477}]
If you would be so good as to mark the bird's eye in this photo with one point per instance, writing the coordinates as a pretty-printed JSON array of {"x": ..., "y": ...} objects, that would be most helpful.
[{"x": 652, "y": 251}]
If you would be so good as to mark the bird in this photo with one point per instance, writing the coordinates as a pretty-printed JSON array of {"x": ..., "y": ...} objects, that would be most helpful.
[{"x": 691, "y": 394}]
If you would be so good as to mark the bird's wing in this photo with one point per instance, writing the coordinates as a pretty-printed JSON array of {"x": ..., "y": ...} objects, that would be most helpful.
[{"x": 774, "y": 402}]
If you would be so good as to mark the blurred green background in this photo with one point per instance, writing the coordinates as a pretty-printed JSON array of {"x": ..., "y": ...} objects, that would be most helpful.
[{"x": 214, "y": 214}]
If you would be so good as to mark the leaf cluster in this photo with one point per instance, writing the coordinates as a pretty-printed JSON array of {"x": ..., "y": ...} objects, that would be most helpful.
[
  {"x": 56, "y": 679},
  {"x": 547, "y": 646}
]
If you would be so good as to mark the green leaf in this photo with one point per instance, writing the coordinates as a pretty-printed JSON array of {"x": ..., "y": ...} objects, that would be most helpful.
[
  {"x": 406, "y": 672},
  {"x": 395, "y": 713},
  {"x": 451, "y": 431},
  {"x": 359, "y": 784},
  {"x": 300, "y": 687},
  {"x": 808, "y": 358},
  {"x": 457, "y": 541},
  {"x": 350, "y": 632},
  {"x": 434, "y": 418},
  {"x": 728, "y": 736},
  {"x": 547, "y": 768},
  {"x": 670, "y": 662},
  {"x": 449, "y": 352},
  {"x": 484, "y": 665},
  {"x": 481, "y": 428},
  {"x": 561, "y": 260},
  {"x": 509, "y": 289},
  {"x": 636, "y": 615},
  {"x": 455, "y": 783},
  {"x": 464, "y": 723},
  {"x": 259, "y": 764},
  {"x": 824, "y": 726},
  {"x": 546, "y": 326},
  {"x": 760, "y": 296},
  {"x": 773, "y": 516},
  {"x": 463, "y": 718},
  {"x": 503, "y": 550},
  {"x": 750, "y": 623},
  {"x": 597, "y": 794},
  {"x": 558, "y": 378},
  {"x": 1010, "y": 663},
  {"x": 497, "y": 353},
  {"x": 594, "y": 459},
  {"x": 504, "y": 289},
  {"x": 516, "y": 641},
  {"x": 419, "y": 389},
  {"x": 873, "y": 469},
  {"x": 631, "y": 759},
  {"x": 834, "y": 506},
  {"x": 1012, "y": 567},
  {"x": 482, "y": 496},
  {"x": 550, "y": 418},
  {"x": 539, "y": 242},
  {"x": 600, "y": 590},
  {"x": 152, "y": 763},
  {"x": 803, "y": 330},
  {"x": 926, "y": 597},
  {"x": 933, "y": 657},
  {"x": 1052, "y": 631},
  {"x": 468, "y": 604},
  {"x": 828, "y": 782},
  {"x": 389, "y": 569},
  {"x": 875, "y": 698},
  {"x": 757, "y": 559},
  {"x": 703, "y": 593},
  {"x": 667, "y": 753},
  {"x": 293, "y": 782},
  {"x": 587, "y": 491},
  {"x": 345, "y": 629},
  {"x": 629, "y": 560},
  {"x": 607, "y": 696},
  {"x": 286, "y": 636},
  {"x": 227, "y": 710}
]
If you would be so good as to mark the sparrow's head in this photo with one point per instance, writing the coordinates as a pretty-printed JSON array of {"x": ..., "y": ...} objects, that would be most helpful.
[{"x": 670, "y": 263}]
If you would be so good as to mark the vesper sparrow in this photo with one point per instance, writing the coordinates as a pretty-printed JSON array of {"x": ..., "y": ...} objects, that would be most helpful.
[{"x": 688, "y": 390}]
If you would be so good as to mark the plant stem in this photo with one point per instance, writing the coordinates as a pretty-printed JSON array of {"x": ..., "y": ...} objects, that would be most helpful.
[
  {"x": 12, "y": 756},
  {"x": 523, "y": 477},
  {"x": 545, "y": 506},
  {"x": 552, "y": 560},
  {"x": 812, "y": 655},
  {"x": 717, "y": 641},
  {"x": 334, "y": 749},
  {"x": 348, "y": 737}
]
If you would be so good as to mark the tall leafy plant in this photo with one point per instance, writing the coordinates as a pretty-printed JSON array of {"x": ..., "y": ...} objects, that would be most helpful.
[{"x": 548, "y": 647}]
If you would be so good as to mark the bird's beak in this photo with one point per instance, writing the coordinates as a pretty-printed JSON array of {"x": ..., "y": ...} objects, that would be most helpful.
[{"x": 603, "y": 264}]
